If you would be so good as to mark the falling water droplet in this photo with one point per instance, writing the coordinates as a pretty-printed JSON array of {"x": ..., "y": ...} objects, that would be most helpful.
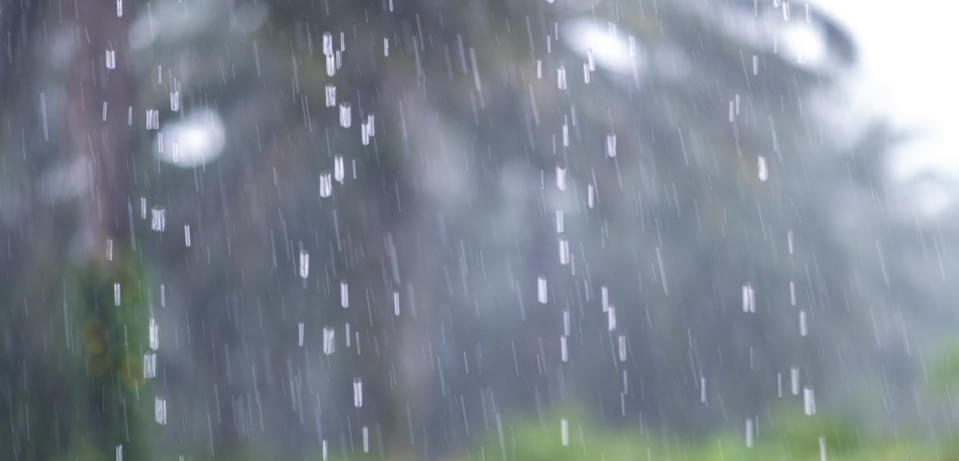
[
  {"x": 159, "y": 410},
  {"x": 154, "y": 334},
  {"x": 346, "y": 115},
  {"x": 541, "y": 289},
  {"x": 329, "y": 341},
  {"x": 153, "y": 119},
  {"x": 157, "y": 219},
  {"x": 563, "y": 251},
  {"x": 809, "y": 401},
  {"x": 326, "y": 184},
  {"x": 357, "y": 393},
  {"x": 330, "y": 95},
  {"x": 611, "y": 145},
  {"x": 564, "y": 431},
  {"x": 561, "y": 178},
  {"x": 304, "y": 264},
  {"x": 749, "y": 299}
]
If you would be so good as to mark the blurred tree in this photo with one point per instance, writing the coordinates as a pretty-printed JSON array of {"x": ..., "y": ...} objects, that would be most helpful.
[{"x": 475, "y": 143}]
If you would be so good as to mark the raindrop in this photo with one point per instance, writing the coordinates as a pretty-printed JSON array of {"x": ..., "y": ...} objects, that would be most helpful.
[
  {"x": 604, "y": 296},
  {"x": 561, "y": 77},
  {"x": 153, "y": 119},
  {"x": 749, "y": 299},
  {"x": 364, "y": 133},
  {"x": 300, "y": 334},
  {"x": 154, "y": 334},
  {"x": 111, "y": 59},
  {"x": 43, "y": 115},
  {"x": 749, "y": 432},
  {"x": 345, "y": 115},
  {"x": 304, "y": 264},
  {"x": 159, "y": 410},
  {"x": 329, "y": 340},
  {"x": 330, "y": 95},
  {"x": 186, "y": 235},
  {"x": 563, "y": 251},
  {"x": 344, "y": 295},
  {"x": 621, "y": 339},
  {"x": 175, "y": 101},
  {"x": 794, "y": 380},
  {"x": 366, "y": 439},
  {"x": 326, "y": 184},
  {"x": 561, "y": 178},
  {"x": 116, "y": 294},
  {"x": 330, "y": 66},
  {"x": 762, "y": 169},
  {"x": 564, "y": 428},
  {"x": 339, "y": 171},
  {"x": 611, "y": 145},
  {"x": 327, "y": 44},
  {"x": 563, "y": 351},
  {"x": 357, "y": 393},
  {"x": 809, "y": 401},
  {"x": 803, "y": 327},
  {"x": 157, "y": 219},
  {"x": 149, "y": 365},
  {"x": 396, "y": 303},
  {"x": 541, "y": 290}
]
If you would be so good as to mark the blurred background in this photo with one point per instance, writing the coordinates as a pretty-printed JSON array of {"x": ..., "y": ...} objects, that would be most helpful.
[{"x": 471, "y": 230}]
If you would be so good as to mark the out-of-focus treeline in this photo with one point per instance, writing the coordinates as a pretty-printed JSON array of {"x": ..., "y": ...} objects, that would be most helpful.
[{"x": 663, "y": 167}]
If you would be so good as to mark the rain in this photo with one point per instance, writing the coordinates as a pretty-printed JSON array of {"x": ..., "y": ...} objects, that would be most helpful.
[{"x": 478, "y": 230}]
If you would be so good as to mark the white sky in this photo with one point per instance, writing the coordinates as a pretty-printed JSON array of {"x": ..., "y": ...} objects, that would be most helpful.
[{"x": 909, "y": 76}]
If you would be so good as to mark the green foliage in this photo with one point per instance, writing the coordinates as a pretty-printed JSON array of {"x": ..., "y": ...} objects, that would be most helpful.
[
  {"x": 789, "y": 436},
  {"x": 112, "y": 407},
  {"x": 944, "y": 371}
]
